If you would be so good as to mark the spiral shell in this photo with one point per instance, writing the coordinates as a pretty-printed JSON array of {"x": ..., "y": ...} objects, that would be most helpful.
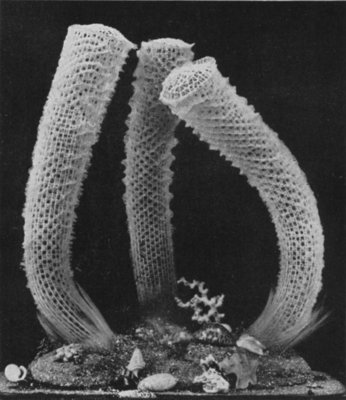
[
  {"x": 158, "y": 383},
  {"x": 13, "y": 373},
  {"x": 215, "y": 333}
]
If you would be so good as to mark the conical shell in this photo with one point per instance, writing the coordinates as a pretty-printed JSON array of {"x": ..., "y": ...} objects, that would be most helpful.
[{"x": 137, "y": 362}]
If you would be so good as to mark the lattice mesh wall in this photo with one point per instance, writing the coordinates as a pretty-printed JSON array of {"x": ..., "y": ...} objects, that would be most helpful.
[
  {"x": 91, "y": 59},
  {"x": 149, "y": 142},
  {"x": 198, "y": 94}
]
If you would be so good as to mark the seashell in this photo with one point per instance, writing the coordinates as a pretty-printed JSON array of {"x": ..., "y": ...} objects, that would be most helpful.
[
  {"x": 158, "y": 383},
  {"x": 215, "y": 333},
  {"x": 251, "y": 344},
  {"x": 212, "y": 381},
  {"x": 243, "y": 365},
  {"x": 67, "y": 353},
  {"x": 136, "y": 363},
  {"x": 209, "y": 362},
  {"x": 13, "y": 373}
]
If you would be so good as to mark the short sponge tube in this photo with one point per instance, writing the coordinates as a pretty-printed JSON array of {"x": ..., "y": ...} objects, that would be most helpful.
[{"x": 205, "y": 100}]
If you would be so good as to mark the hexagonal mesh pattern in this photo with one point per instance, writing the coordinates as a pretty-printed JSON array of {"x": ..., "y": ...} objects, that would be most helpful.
[
  {"x": 229, "y": 125},
  {"x": 149, "y": 142},
  {"x": 91, "y": 59}
]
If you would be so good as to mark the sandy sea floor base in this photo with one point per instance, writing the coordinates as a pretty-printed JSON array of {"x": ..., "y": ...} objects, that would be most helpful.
[
  {"x": 101, "y": 375},
  {"x": 328, "y": 388}
]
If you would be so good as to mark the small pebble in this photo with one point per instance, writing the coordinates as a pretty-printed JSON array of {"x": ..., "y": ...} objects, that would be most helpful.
[
  {"x": 136, "y": 394},
  {"x": 158, "y": 383}
]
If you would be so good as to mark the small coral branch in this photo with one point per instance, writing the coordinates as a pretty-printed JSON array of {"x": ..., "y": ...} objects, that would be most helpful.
[{"x": 200, "y": 301}]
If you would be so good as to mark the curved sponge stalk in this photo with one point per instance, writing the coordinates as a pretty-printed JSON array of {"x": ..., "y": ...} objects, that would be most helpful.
[
  {"x": 89, "y": 66},
  {"x": 198, "y": 94},
  {"x": 148, "y": 144}
]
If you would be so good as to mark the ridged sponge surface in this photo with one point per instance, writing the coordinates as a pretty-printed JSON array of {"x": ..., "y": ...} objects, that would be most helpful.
[
  {"x": 199, "y": 95},
  {"x": 89, "y": 66},
  {"x": 148, "y": 143}
]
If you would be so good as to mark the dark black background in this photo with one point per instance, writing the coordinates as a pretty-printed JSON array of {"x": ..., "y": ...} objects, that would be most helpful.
[{"x": 287, "y": 59}]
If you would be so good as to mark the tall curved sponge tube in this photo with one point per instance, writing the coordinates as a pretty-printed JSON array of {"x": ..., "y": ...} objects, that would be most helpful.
[
  {"x": 200, "y": 96},
  {"x": 89, "y": 66},
  {"x": 148, "y": 144}
]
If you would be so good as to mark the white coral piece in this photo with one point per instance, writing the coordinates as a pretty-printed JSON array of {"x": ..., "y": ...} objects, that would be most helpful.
[
  {"x": 200, "y": 301},
  {"x": 212, "y": 382}
]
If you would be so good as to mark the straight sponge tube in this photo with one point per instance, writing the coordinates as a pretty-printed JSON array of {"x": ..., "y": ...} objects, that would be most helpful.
[
  {"x": 148, "y": 144},
  {"x": 88, "y": 69}
]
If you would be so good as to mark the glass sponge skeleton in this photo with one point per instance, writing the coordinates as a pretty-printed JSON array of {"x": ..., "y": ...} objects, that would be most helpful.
[
  {"x": 200, "y": 96},
  {"x": 89, "y": 67},
  {"x": 148, "y": 144}
]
